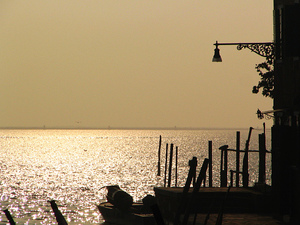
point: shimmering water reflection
(72, 166)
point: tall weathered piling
(210, 182)
(170, 165)
(262, 159)
(237, 167)
(158, 163)
(224, 165)
(176, 166)
(245, 160)
(166, 165)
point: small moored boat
(120, 208)
(133, 216)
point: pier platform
(238, 219)
(242, 204)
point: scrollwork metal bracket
(266, 50)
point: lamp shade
(217, 56)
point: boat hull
(133, 216)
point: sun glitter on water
(71, 166)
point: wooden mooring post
(193, 164)
(170, 165)
(176, 166)
(166, 165)
(237, 167)
(245, 160)
(158, 163)
(210, 180)
(224, 165)
(262, 159)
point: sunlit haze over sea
(73, 166)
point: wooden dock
(238, 219)
(234, 201)
(240, 202)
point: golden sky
(130, 63)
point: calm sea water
(72, 166)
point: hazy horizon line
(125, 128)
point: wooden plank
(9, 217)
(59, 217)
(183, 201)
(200, 179)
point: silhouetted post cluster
(188, 203)
(245, 174)
(192, 200)
(169, 165)
(223, 164)
(170, 155)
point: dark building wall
(286, 130)
(287, 45)
(287, 83)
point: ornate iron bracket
(266, 50)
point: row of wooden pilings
(170, 163)
(223, 164)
